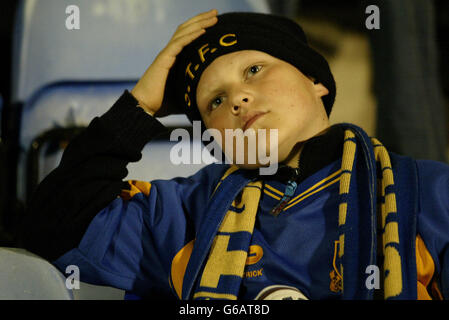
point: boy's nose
(238, 106)
(241, 102)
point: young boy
(341, 219)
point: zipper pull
(288, 194)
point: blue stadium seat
(66, 77)
(63, 78)
(25, 276)
(66, 105)
(117, 40)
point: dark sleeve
(89, 176)
(433, 217)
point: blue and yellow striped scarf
(223, 271)
(387, 212)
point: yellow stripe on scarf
(221, 261)
(390, 238)
(345, 178)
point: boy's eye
(215, 103)
(253, 70)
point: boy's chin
(249, 166)
(254, 166)
(263, 170)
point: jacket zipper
(290, 189)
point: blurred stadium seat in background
(63, 78)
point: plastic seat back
(25, 276)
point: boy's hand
(149, 90)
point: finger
(176, 46)
(202, 24)
(206, 20)
(199, 17)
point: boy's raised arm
(88, 178)
(92, 169)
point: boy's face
(252, 89)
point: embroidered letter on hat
(227, 44)
(187, 99)
(201, 52)
(188, 71)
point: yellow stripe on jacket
(135, 188)
(425, 269)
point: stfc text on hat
(275, 35)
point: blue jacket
(157, 236)
(152, 238)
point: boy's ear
(320, 89)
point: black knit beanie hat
(275, 35)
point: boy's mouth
(251, 119)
